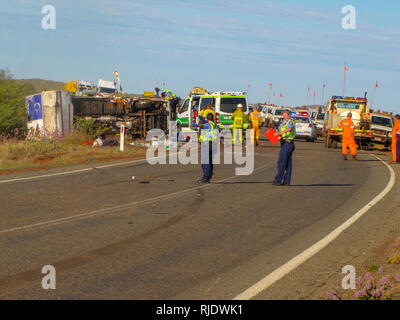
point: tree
(12, 103)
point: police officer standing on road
(287, 131)
(208, 140)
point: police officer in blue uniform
(208, 139)
(287, 131)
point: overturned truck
(139, 114)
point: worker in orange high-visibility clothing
(348, 137)
(255, 119)
(396, 140)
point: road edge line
(292, 264)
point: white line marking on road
(292, 264)
(120, 207)
(71, 172)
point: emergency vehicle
(224, 103)
(338, 108)
(188, 113)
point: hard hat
(240, 105)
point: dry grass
(25, 155)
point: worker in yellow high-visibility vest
(255, 119)
(239, 118)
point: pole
(373, 97)
(308, 95)
(269, 94)
(323, 94)
(122, 138)
(344, 82)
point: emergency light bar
(228, 93)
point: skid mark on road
(103, 211)
(64, 265)
(292, 264)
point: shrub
(12, 104)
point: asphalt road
(111, 237)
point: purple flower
(367, 276)
(369, 284)
(385, 280)
(364, 292)
(332, 295)
(397, 277)
(360, 280)
(358, 294)
(380, 270)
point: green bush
(90, 128)
(12, 104)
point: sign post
(122, 138)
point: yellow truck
(337, 109)
(81, 88)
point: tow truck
(338, 108)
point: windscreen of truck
(380, 121)
(229, 105)
(206, 101)
(348, 105)
(278, 112)
(321, 116)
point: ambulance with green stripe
(224, 104)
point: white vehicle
(320, 123)
(266, 113)
(382, 126)
(277, 117)
(188, 113)
(305, 129)
(106, 88)
(224, 104)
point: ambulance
(224, 103)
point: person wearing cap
(172, 103)
(239, 118)
(287, 132)
(209, 147)
(348, 137)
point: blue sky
(220, 45)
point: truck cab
(81, 88)
(338, 108)
(106, 88)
